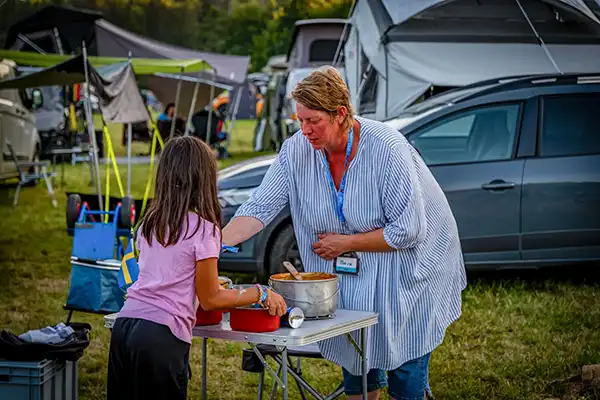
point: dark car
(518, 159)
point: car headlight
(234, 197)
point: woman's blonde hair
(325, 90)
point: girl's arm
(213, 297)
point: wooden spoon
(288, 265)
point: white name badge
(346, 264)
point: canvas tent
(396, 51)
(62, 29)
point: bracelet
(263, 293)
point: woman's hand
(331, 245)
(275, 304)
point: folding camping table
(312, 331)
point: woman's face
(317, 126)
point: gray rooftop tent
(397, 50)
(62, 29)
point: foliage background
(259, 28)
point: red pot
(253, 320)
(208, 317)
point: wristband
(264, 293)
(225, 248)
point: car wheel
(73, 208)
(284, 248)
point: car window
(479, 134)
(570, 125)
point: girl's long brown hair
(186, 181)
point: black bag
(71, 349)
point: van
(17, 124)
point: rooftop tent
(315, 42)
(396, 51)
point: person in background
(365, 206)
(179, 241)
(167, 114)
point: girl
(179, 244)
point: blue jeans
(410, 381)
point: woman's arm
(267, 200)
(403, 206)
(240, 229)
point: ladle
(288, 265)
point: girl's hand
(275, 304)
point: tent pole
(338, 50)
(176, 105)
(129, 140)
(238, 97)
(210, 106)
(539, 38)
(188, 124)
(90, 125)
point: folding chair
(25, 177)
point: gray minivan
(518, 159)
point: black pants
(146, 361)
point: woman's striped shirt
(416, 289)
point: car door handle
(498, 184)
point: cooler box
(38, 380)
(94, 286)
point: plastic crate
(38, 380)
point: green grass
(516, 339)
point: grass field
(518, 338)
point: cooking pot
(253, 319)
(215, 317)
(316, 294)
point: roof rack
(555, 78)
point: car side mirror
(37, 98)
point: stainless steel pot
(316, 294)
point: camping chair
(26, 177)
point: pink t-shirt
(165, 292)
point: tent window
(369, 93)
(322, 50)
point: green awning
(141, 66)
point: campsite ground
(518, 338)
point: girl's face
(319, 127)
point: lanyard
(339, 195)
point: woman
(382, 224)
(179, 242)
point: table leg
(363, 345)
(284, 372)
(62, 171)
(204, 357)
(54, 169)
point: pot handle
(312, 303)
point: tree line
(259, 28)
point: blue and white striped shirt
(416, 289)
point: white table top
(310, 332)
